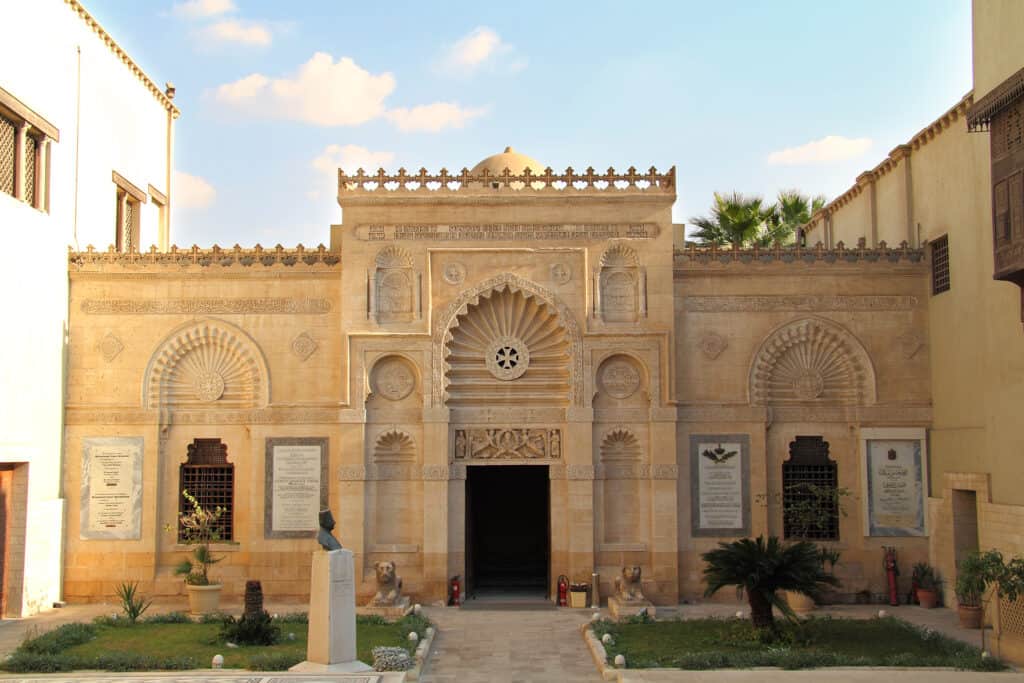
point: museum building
(504, 374)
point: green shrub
(59, 639)
(250, 629)
(292, 618)
(168, 618)
(213, 618)
(33, 662)
(371, 620)
(273, 661)
(132, 604)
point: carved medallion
(393, 379)
(808, 384)
(110, 346)
(620, 379)
(910, 343)
(713, 344)
(209, 386)
(508, 443)
(507, 358)
(561, 273)
(454, 273)
(304, 346)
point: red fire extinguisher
(563, 590)
(454, 598)
(891, 572)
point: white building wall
(54, 62)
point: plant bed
(178, 643)
(816, 642)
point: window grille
(940, 265)
(127, 237)
(31, 146)
(810, 507)
(210, 478)
(8, 136)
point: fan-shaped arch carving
(812, 360)
(620, 444)
(507, 308)
(394, 444)
(205, 364)
(619, 255)
(393, 257)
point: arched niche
(394, 286)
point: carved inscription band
(198, 306)
(506, 443)
(729, 304)
(507, 232)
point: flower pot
(928, 597)
(799, 603)
(970, 616)
(203, 599)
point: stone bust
(324, 537)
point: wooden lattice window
(810, 505)
(8, 140)
(940, 265)
(31, 169)
(130, 199)
(209, 477)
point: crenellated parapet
(257, 256)
(699, 255)
(571, 182)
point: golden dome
(515, 162)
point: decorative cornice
(445, 184)
(695, 256)
(123, 56)
(995, 100)
(215, 256)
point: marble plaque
(720, 482)
(296, 486)
(111, 488)
(895, 486)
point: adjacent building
(85, 158)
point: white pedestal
(332, 615)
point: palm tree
(792, 210)
(763, 567)
(735, 219)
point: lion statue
(389, 585)
(627, 586)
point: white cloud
(197, 9)
(234, 31)
(323, 92)
(350, 158)
(191, 191)
(432, 117)
(829, 148)
(481, 47)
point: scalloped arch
(619, 255)
(205, 364)
(394, 444)
(620, 443)
(812, 360)
(393, 257)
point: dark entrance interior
(507, 530)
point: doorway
(508, 531)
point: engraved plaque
(296, 486)
(111, 488)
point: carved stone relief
(304, 346)
(713, 344)
(620, 444)
(393, 285)
(199, 306)
(561, 273)
(774, 303)
(393, 445)
(110, 346)
(507, 358)
(454, 273)
(910, 343)
(393, 377)
(507, 443)
(619, 284)
(619, 377)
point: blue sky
(275, 94)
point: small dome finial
(509, 150)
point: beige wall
(998, 50)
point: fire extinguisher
(455, 592)
(891, 572)
(563, 590)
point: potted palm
(970, 587)
(927, 585)
(199, 528)
(763, 567)
(810, 509)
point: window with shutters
(127, 214)
(210, 478)
(810, 491)
(24, 152)
(940, 265)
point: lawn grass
(817, 642)
(151, 646)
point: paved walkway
(509, 646)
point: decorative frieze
(775, 303)
(204, 306)
(508, 443)
(176, 257)
(664, 471)
(696, 256)
(506, 232)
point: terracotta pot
(203, 599)
(799, 603)
(927, 597)
(970, 616)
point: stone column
(664, 540)
(578, 449)
(437, 516)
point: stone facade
(490, 319)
